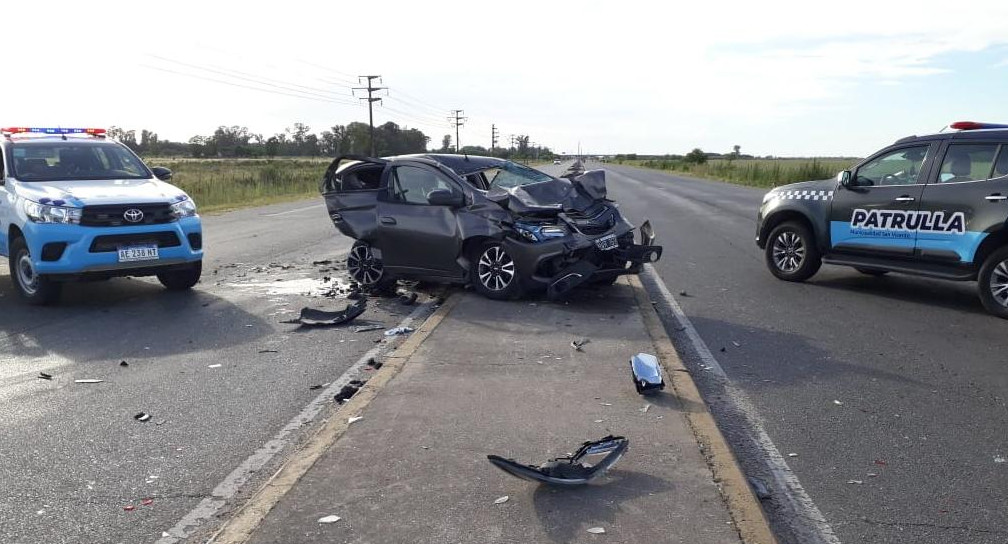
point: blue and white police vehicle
(75, 205)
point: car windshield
(514, 175)
(70, 161)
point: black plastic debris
(345, 393)
(142, 416)
(356, 295)
(366, 328)
(322, 262)
(646, 373)
(320, 318)
(684, 294)
(578, 344)
(44, 376)
(760, 488)
(358, 383)
(123, 363)
(408, 299)
(268, 351)
(374, 364)
(569, 470)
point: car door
(967, 199)
(414, 236)
(869, 214)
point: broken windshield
(514, 175)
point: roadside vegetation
(223, 184)
(751, 172)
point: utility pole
(457, 120)
(493, 137)
(371, 100)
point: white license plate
(606, 243)
(146, 252)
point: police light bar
(41, 130)
(973, 125)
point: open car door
(350, 188)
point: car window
(900, 167)
(967, 162)
(1001, 164)
(411, 184)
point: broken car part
(44, 376)
(396, 331)
(646, 373)
(142, 416)
(345, 393)
(569, 470)
(316, 318)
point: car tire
(992, 283)
(791, 252)
(181, 279)
(494, 273)
(33, 288)
(871, 271)
(368, 271)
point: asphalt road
(890, 391)
(72, 457)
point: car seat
(960, 167)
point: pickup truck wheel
(181, 279)
(495, 274)
(992, 283)
(791, 253)
(871, 271)
(367, 270)
(34, 288)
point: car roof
(976, 134)
(460, 164)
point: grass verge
(751, 172)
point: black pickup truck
(504, 227)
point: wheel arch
(782, 216)
(991, 243)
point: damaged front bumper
(563, 264)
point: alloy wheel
(495, 268)
(999, 283)
(788, 251)
(363, 267)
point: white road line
(312, 207)
(786, 482)
(229, 487)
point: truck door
(869, 215)
(965, 201)
(415, 236)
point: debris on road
(353, 419)
(855, 482)
(216, 365)
(880, 462)
(1000, 459)
(578, 344)
(502, 500)
(568, 470)
(646, 373)
(147, 502)
(329, 519)
(374, 364)
(684, 294)
(760, 488)
(44, 376)
(317, 386)
(736, 344)
(345, 393)
(88, 380)
(129, 508)
(395, 331)
(837, 402)
(597, 530)
(645, 408)
(142, 416)
(268, 351)
(792, 455)
(123, 363)
(408, 299)
(314, 318)
(366, 328)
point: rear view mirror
(445, 197)
(161, 173)
(844, 178)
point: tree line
(351, 139)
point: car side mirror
(844, 178)
(161, 173)
(445, 197)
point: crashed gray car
(504, 227)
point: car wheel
(181, 279)
(495, 274)
(34, 288)
(367, 270)
(871, 271)
(992, 283)
(791, 253)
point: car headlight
(183, 208)
(51, 211)
(538, 233)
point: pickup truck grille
(111, 242)
(113, 215)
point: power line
(371, 100)
(457, 121)
(233, 84)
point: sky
(776, 78)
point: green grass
(751, 172)
(224, 184)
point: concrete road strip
(230, 486)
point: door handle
(388, 220)
(904, 198)
(996, 197)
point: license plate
(146, 252)
(606, 243)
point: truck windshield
(70, 161)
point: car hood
(106, 191)
(549, 198)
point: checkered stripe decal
(804, 195)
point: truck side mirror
(844, 178)
(161, 173)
